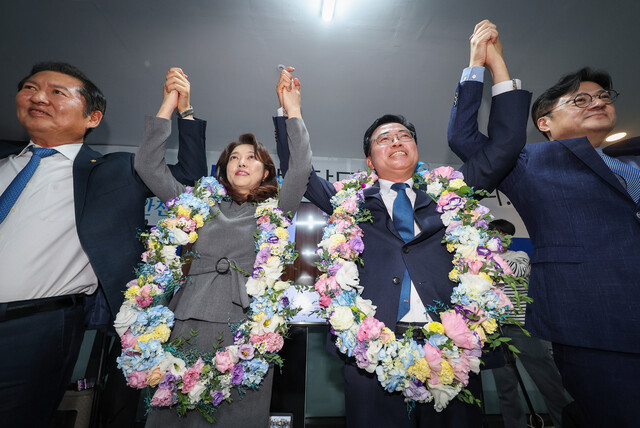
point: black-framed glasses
(584, 100)
(387, 138)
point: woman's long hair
(268, 188)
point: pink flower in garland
(457, 329)
(461, 367)
(137, 380)
(223, 361)
(191, 376)
(369, 329)
(449, 202)
(162, 398)
(128, 340)
(433, 356)
(324, 301)
(443, 171)
(273, 341)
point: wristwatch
(185, 113)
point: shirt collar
(70, 151)
(385, 185)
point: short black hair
(387, 118)
(93, 97)
(503, 226)
(566, 85)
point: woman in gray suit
(216, 295)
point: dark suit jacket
(386, 254)
(109, 202)
(585, 231)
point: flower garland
(188, 379)
(439, 370)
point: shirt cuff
(474, 74)
(506, 86)
(280, 111)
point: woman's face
(244, 171)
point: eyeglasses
(386, 138)
(584, 100)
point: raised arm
(150, 160)
(295, 182)
(488, 158)
(287, 131)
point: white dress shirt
(40, 251)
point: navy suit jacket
(426, 258)
(109, 202)
(585, 231)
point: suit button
(396, 280)
(405, 250)
(638, 214)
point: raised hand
(284, 82)
(176, 93)
(291, 98)
(486, 50)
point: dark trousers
(37, 358)
(603, 383)
(369, 405)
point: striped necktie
(630, 175)
(15, 188)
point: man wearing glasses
(406, 265)
(579, 202)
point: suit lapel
(587, 154)
(84, 163)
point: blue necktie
(403, 221)
(11, 193)
(630, 174)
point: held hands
(288, 90)
(486, 50)
(176, 93)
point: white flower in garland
(191, 380)
(439, 370)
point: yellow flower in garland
(490, 325)
(199, 220)
(193, 236)
(435, 327)
(485, 276)
(453, 275)
(457, 183)
(132, 292)
(450, 248)
(387, 336)
(184, 211)
(336, 239)
(420, 370)
(161, 333)
(446, 374)
(282, 233)
(153, 244)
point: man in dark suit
(68, 234)
(580, 205)
(390, 147)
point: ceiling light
(615, 137)
(328, 6)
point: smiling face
(244, 171)
(396, 161)
(51, 109)
(595, 121)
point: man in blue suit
(390, 148)
(68, 234)
(580, 205)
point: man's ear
(543, 124)
(370, 163)
(94, 119)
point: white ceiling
(375, 57)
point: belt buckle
(223, 265)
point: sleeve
(192, 155)
(150, 163)
(319, 191)
(295, 181)
(488, 158)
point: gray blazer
(210, 296)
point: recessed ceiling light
(615, 137)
